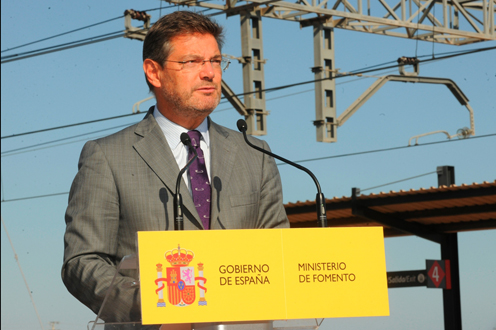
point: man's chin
(199, 111)
(206, 107)
(205, 111)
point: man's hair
(157, 46)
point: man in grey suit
(126, 181)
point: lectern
(131, 262)
(245, 279)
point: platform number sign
(438, 274)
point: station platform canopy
(422, 212)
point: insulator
(138, 15)
(408, 60)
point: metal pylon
(325, 96)
(253, 72)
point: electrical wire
(363, 71)
(68, 45)
(55, 145)
(43, 51)
(14, 151)
(79, 43)
(62, 34)
(60, 45)
(63, 139)
(85, 27)
(267, 100)
(33, 197)
(298, 161)
(72, 125)
(386, 149)
(51, 49)
(353, 73)
(402, 180)
(467, 52)
(18, 151)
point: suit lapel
(222, 157)
(155, 151)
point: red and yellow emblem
(180, 279)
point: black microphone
(178, 200)
(319, 200)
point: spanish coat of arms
(180, 279)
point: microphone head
(185, 139)
(242, 127)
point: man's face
(190, 93)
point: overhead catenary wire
(72, 125)
(73, 44)
(18, 151)
(398, 181)
(84, 27)
(34, 197)
(363, 71)
(14, 151)
(63, 139)
(59, 47)
(51, 49)
(387, 149)
(353, 73)
(79, 43)
(298, 161)
(69, 45)
(292, 94)
(53, 146)
(62, 34)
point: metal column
(325, 96)
(253, 72)
(451, 298)
(452, 304)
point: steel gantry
(455, 22)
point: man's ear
(152, 71)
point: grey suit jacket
(126, 183)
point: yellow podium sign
(273, 274)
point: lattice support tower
(253, 72)
(325, 96)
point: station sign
(409, 278)
(438, 274)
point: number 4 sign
(438, 274)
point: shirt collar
(172, 131)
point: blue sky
(105, 79)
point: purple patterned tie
(200, 185)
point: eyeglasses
(217, 63)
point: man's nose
(207, 71)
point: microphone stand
(178, 200)
(319, 199)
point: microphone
(319, 199)
(178, 200)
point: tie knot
(195, 138)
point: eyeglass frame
(223, 59)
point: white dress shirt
(173, 131)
